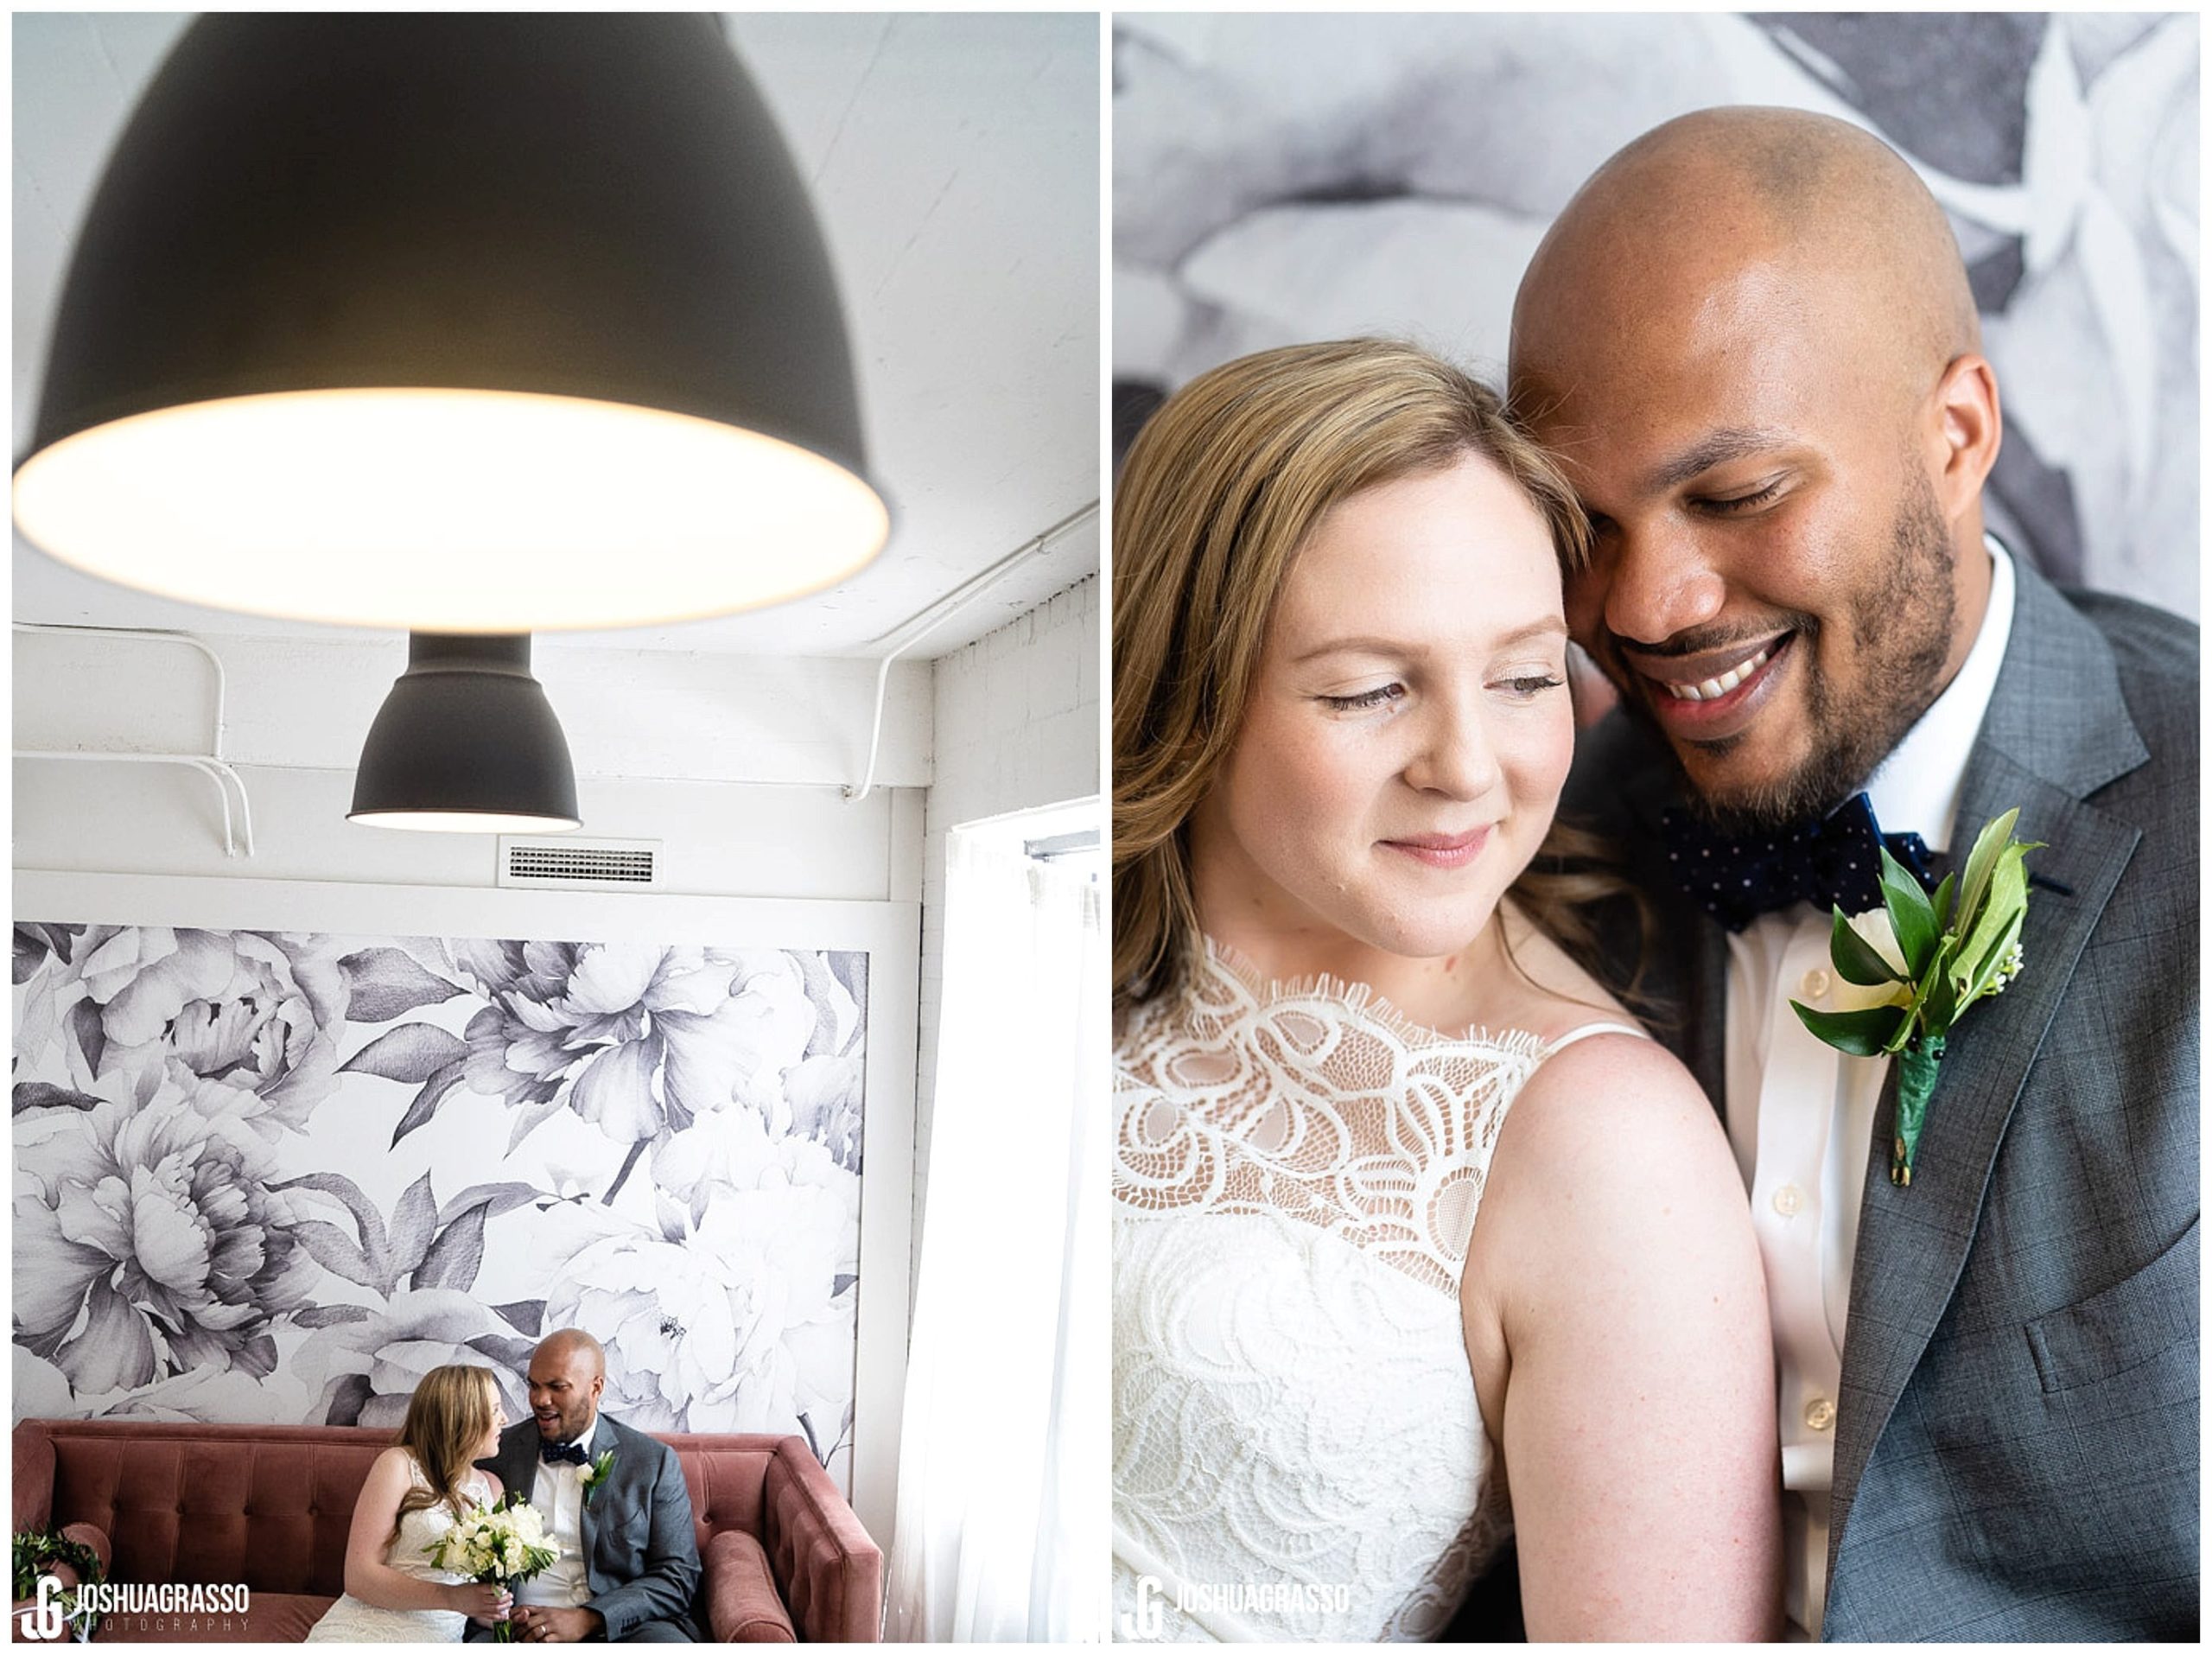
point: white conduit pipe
(214, 769)
(157, 634)
(210, 764)
(921, 625)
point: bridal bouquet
(496, 1544)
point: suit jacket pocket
(628, 1540)
(2122, 1328)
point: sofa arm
(34, 1476)
(85, 1534)
(738, 1593)
(827, 1569)
(91, 1534)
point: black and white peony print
(1316, 176)
(274, 1177)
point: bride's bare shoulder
(1610, 1166)
(1612, 1120)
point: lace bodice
(350, 1621)
(1298, 1449)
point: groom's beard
(1901, 628)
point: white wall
(1017, 725)
(734, 763)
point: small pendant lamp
(467, 743)
(469, 324)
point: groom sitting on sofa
(629, 1561)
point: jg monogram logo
(1142, 1623)
(43, 1621)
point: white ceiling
(954, 162)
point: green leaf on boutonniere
(1912, 915)
(1981, 863)
(1989, 972)
(1856, 959)
(1935, 1002)
(1942, 902)
(1997, 926)
(1958, 948)
(1861, 1033)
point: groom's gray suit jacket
(641, 1552)
(2015, 1444)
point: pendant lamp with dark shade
(465, 741)
(453, 323)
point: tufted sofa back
(268, 1506)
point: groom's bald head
(570, 1345)
(1750, 342)
(1852, 239)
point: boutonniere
(1926, 959)
(597, 1472)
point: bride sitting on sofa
(415, 1490)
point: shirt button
(1787, 1199)
(1820, 1413)
(1816, 983)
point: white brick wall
(1016, 726)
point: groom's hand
(536, 1624)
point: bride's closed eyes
(1531, 685)
(1366, 700)
(1521, 686)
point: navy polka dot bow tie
(1834, 859)
(559, 1453)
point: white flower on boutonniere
(1912, 966)
(597, 1472)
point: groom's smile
(1710, 696)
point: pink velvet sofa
(268, 1506)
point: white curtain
(1002, 1470)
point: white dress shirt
(558, 1493)
(1801, 1114)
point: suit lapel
(2056, 730)
(602, 1438)
(515, 1465)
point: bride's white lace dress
(1298, 1452)
(349, 1621)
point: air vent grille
(601, 864)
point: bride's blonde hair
(1220, 489)
(447, 1418)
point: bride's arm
(375, 1582)
(1616, 1299)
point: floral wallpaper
(274, 1177)
(1310, 177)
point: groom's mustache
(1702, 641)
(1637, 667)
